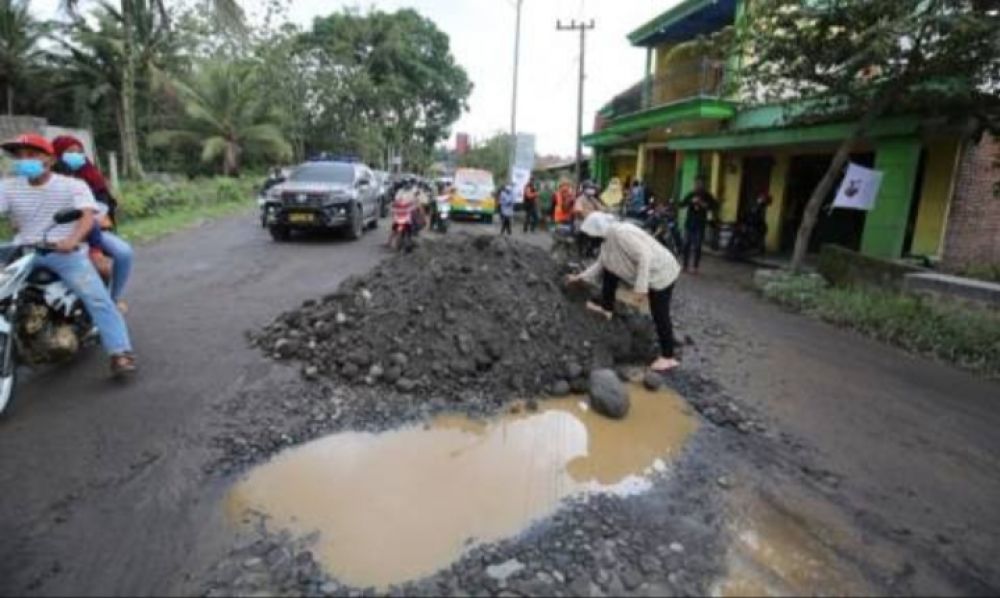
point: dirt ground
(825, 463)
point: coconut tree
(225, 116)
(19, 49)
(227, 12)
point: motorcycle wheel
(8, 367)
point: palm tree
(226, 117)
(227, 12)
(19, 51)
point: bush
(145, 199)
(964, 336)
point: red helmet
(31, 140)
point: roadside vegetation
(149, 210)
(221, 86)
(964, 336)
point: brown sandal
(123, 364)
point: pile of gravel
(461, 317)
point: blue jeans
(695, 237)
(77, 273)
(121, 253)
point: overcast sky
(482, 40)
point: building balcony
(688, 91)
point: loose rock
(608, 395)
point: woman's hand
(572, 279)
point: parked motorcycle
(747, 241)
(41, 320)
(661, 223)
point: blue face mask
(31, 168)
(74, 160)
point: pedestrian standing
(530, 206)
(506, 209)
(699, 204)
(545, 197)
(630, 254)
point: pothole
(773, 553)
(398, 506)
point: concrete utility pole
(583, 28)
(513, 102)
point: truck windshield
(327, 172)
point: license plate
(301, 218)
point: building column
(940, 173)
(690, 165)
(732, 166)
(885, 225)
(777, 188)
(640, 163)
(647, 78)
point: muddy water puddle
(774, 552)
(400, 505)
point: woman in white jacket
(630, 254)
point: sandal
(123, 364)
(667, 364)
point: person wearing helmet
(30, 199)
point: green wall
(690, 165)
(885, 226)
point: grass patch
(960, 335)
(149, 229)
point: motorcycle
(439, 222)
(747, 241)
(41, 320)
(661, 223)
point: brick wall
(973, 234)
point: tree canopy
(363, 83)
(859, 59)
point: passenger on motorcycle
(30, 200)
(72, 161)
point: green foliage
(20, 53)
(226, 117)
(931, 57)
(964, 336)
(146, 199)
(493, 154)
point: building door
(839, 227)
(664, 171)
(756, 179)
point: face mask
(31, 168)
(74, 160)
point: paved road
(913, 444)
(96, 478)
(99, 484)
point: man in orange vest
(564, 201)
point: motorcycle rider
(30, 200)
(72, 161)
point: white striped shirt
(30, 208)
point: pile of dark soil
(463, 317)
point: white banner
(859, 188)
(524, 161)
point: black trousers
(692, 244)
(659, 307)
(530, 217)
(505, 225)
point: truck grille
(292, 199)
